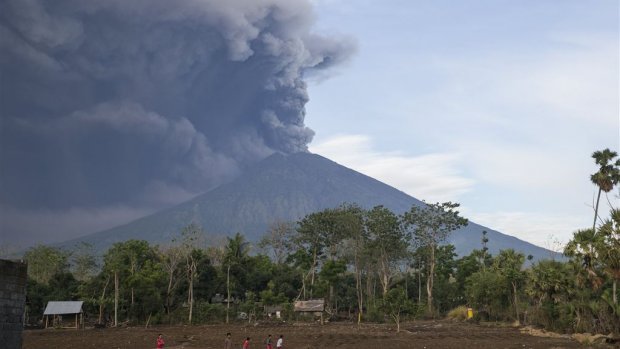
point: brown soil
(419, 334)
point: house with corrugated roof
(61, 312)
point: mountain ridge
(287, 187)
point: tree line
(369, 265)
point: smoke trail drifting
(146, 102)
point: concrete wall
(13, 279)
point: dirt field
(421, 334)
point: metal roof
(313, 305)
(59, 308)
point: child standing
(246, 343)
(227, 342)
(280, 342)
(160, 341)
(268, 342)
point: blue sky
(497, 105)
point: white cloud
(542, 229)
(580, 83)
(529, 167)
(432, 177)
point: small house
(273, 310)
(312, 306)
(59, 311)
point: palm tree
(583, 247)
(236, 251)
(609, 247)
(509, 263)
(606, 177)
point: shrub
(208, 313)
(374, 314)
(459, 313)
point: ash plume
(145, 103)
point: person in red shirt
(246, 343)
(160, 341)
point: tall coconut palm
(583, 246)
(609, 247)
(236, 251)
(607, 176)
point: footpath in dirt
(419, 334)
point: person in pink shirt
(246, 343)
(160, 341)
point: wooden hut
(310, 306)
(58, 310)
(314, 306)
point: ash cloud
(145, 103)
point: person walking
(227, 342)
(160, 341)
(280, 342)
(246, 343)
(268, 342)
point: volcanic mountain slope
(286, 188)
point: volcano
(286, 188)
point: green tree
(607, 176)
(44, 262)
(387, 241)
(191, 237)
(278, 239)
(583, 246)
(286, 280)
(310, 242)
(509, 264)
(132, 265)
(94, 293)
(431, 225)
(485, 249)
(356, 249)
(84, 261)
(447, 294)
(114, 263)
(236, 252)
(599, 252)
(394, 303)
(608, 245)
(271, 296)
(171, 257)
(486, 290)
(476, 261)
(549, 286)
(209, 281)
(256, 273)
(332, 272)
(138, 255)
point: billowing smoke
(144, 103)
